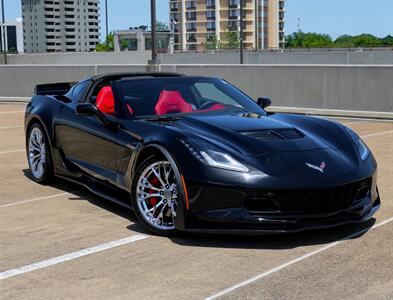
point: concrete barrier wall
(142, 57)
(362, 88)
(80, 58)
(19, 81)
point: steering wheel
(208, 104)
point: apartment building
(60, 25)
(199, 23)
(13, 41)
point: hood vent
(274, 134)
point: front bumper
(239, 221)
(237, 218)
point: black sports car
(197, 154)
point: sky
(334, 17)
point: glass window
(210, 25)
(210, 92)
(181, 95)
(78, 91)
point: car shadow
(280, 241)
(80, 193)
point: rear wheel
(156, 196)
(38, 155)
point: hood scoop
(274, 134)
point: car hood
(254, 134)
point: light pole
(3, 29)
(153, 32)
(106, 24)
(241, 31)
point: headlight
(363, 150)
(214, 157)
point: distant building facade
(140, 40)
(13, 37)
(197, 23)
(60, 25)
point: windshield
(148, 97)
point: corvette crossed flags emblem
(319, 168)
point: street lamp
(106, 24)
(153, 32)
(3, 29)
(241, 32)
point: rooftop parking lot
(61, 242)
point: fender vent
(274, 134)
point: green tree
(229, 40)
(212, 42)
(344, 41)
(312, 40)
(162, 26)
(387, 41)
(108, 45)
(123, 45)
(308, 40)
(140, 27)
(366, 40)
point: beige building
(201, 24)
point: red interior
(168, 102)
(217, 106)
(171, 102)
(105, 101)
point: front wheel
(156, 195)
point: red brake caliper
(153, 200)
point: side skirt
(102, 190)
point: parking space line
(12, 112)
(12, 151)
(375, 134)
(70, 256)
(10, 127)
(33, 200)
(356, 122)
(292, 262)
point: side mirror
(264, 102)
(88, 109)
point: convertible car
(196, 154)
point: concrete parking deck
(61, 242)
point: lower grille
(308, 201)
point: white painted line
(12, 112)
(70, 256)
(12, 151)
(375, 134)
(10, 127)
(351, 123)
(33, 200)
(303, 257)
(356, 118)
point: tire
(39, 155)
(156, 213)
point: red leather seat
(171, 102)
(105, 101)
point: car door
(89, 145)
